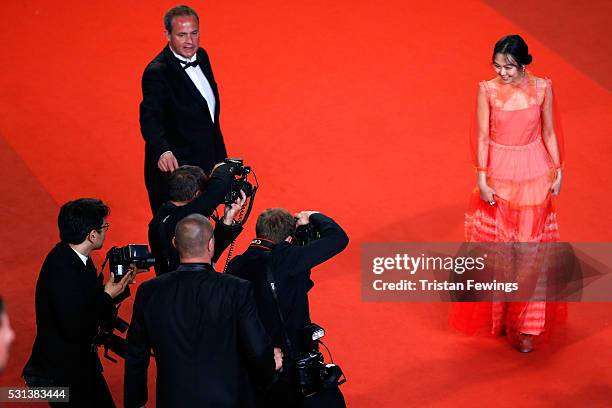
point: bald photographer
(203, 329)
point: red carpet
(358, 109)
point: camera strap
(272, 285)
(162, 236)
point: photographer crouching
(278, 263)
(72, 302)
(192, 192)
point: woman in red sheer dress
(518, 158)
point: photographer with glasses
(71, 303)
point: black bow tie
(186, 64)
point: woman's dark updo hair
(516, 47)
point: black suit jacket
(174, 116)
(205, 334)
(163, 224)
(291, 266)
(70, 302)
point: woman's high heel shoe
(525, 343)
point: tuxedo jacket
(204, 331)
(175, 116)
(70, 303)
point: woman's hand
(555, 189)
(487, 193)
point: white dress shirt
(199, 80)
(83, 257)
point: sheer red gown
(518, 145)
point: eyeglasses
(104, 227)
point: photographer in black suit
(192, 192)
(290, 266)
(203, 329)
(71, 302)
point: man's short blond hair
(275, 224)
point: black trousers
(93, 395)
(285, 395)
(157, 188)
(332, 398)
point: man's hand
(113, 288)
(167, 162)
(303, 217)
(233, 209)
(136, 272)
(278, 358)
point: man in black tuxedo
(203, 329)
(179, 112)
(71, 302)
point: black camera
(120, 259)
(313, 374)
(107, 338)
(240, 173)
(304, 234)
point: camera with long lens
(240, 174)
(107, 338)
(313, 375)
(120, 259)
(305, 234)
